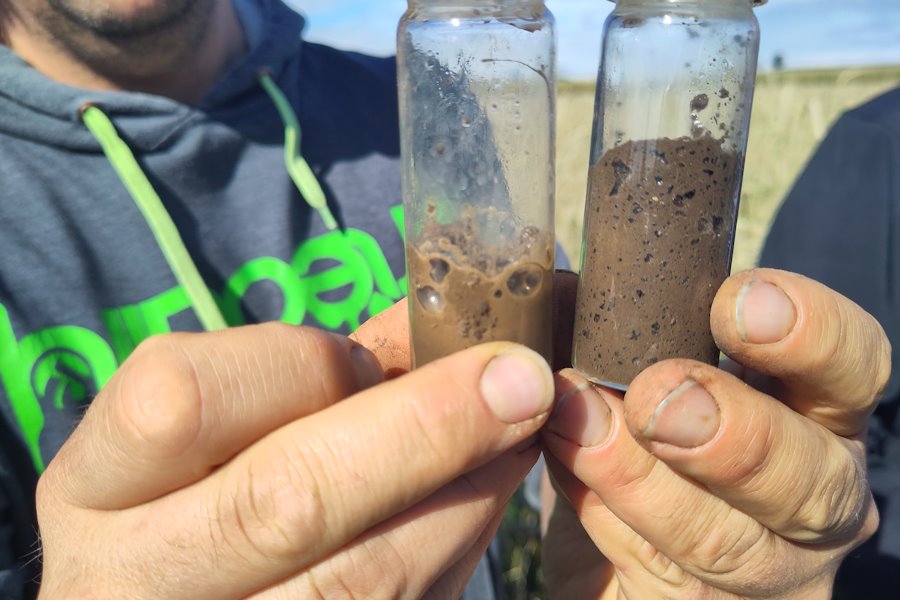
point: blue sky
(807, 33)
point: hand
(265, 461)
(697, 485)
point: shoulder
(881, 112)
(343, 65)
(348, 98)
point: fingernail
(366, 367)
(517, 385)
(764, 313)
(688, 417)
(581, 416)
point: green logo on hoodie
(51, 375)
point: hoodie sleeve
(838, 225)
(18, 533)
(11, 584)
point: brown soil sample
(466, 291)
(659, 229)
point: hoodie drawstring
(160, 222)
(147, 200)
(297, 167)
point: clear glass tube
(674, 95)
(477, 85)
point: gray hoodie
(83, 281)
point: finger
(684, 522)
(784, 470)
(565, 287)
(629, 566)
(183, 404)
(455, 524)
(616, 541)
(387, 336)
(832, 358)
(453, 582)
(573, 564)
(314, 485)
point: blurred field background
(792, 111)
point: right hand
(697, 485)
(261, 461)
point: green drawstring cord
(167, 237)
(297, 167)
(164, 230)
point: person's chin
(123, 18)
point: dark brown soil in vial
(659, 230)
(465, 288)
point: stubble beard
(152, 44)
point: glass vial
(477, 85)
(674, 95)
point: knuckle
(871, 522)
(160, 398)
(372, 570)
(670, 579)
(327, 351)
(309, 586)
(660, 566)
(300, 586)
(326, 586)
(637, 475)
(882, 363)
(741, 558)
(865, 355)
(312, 343)
(837, 509)
(726, 551)
(268, 515)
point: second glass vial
(674, 95)
(477, 92)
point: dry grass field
(792, 111)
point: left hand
(269, 461)
(695, 484)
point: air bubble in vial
(430, 299)
(525, 281)
(439, 270)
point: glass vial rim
(753, 3)
(474, 3)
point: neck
(160, 63)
